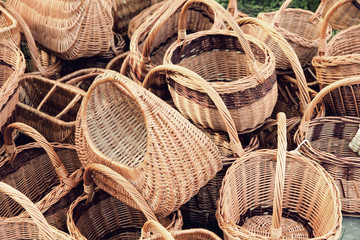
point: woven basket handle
(157, 228)
(10, 149)
(304, 125)
(232, 7)
(290, 54)
(279, 177)
(80, 75)
(319, 11)
(325, 23)
(38, 218)
(230, 20)
(203, 85)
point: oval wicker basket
(300, 28)
(24, 228)
(326, 140)
(346, 16)
(103, 216)
(129, 129)
(272, 194)
(9, 27)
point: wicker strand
(157, 228)
(355, 142)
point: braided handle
(190, 76)
(325, 23)
(279, 177)
(155, 227)
(304, 125)
(290, 54)
(35, 214)
(230, 20)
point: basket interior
(308, 199)
(116, 124)
(345, 42)
(5, 71)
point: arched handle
(232, 7)
(290, 54)
(304, 125)
(325, 23)
(80, 75)
(280, 12)
(157, 228)
(192, 77)
(231, 22)
(319, 11)
(279, 177)
(10, 149)
(38, 218)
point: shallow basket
(269, 193)
(346, 16)
(300, 28)
(326, 140)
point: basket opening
(116, 125)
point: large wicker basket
(129, 129)
(97, 214)
(346, 16)
(278, 195)
(326, 140)
(9, 27)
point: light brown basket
(278, 195)
(24, 228)
(104, 216)
(326, 140)
(44, 172)
(70, 29)
(129, 129)
(346, 16)
(300, 28)
(162, 234)
(9, 27)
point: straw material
(300, 28)
(270, 193)
(103, 216)
(70, 29)
(49, 106)
(42, 171)
(327, 141)
(129, 129)
(346, 16)
(24, 228)
(9, 27)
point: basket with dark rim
(129, 129)
(337, 60)
(299, 27)
(32, 228)
(326, 140)
(151, 40)
(103, 213)
(346, 16)
(242, 72)
(49, 106)
(159, 232)
(272, 194)
(45, 172)
(9, 27)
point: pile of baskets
(178, 120)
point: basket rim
(14, 23)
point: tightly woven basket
(326, 140)
(12, 67)
(300, 28)
(44, 172)
(346, 16)
(162, 234)
(9, 27)
(278, 195)
(151, 40)
(97, 214)
(70, 29)
(49, 106)
(129, 129)
(24, 228)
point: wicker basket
(257, 200)
(70, 29)
(12, 66)
(163, 234)
(346, 16)
(103, 216)
(327, 141)
(300, 28)
(116, 63)
(49, 106)
(82, 78)
(129, 129)
(151, 40)
(9, 27)
(25, 228)
(44, 172)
